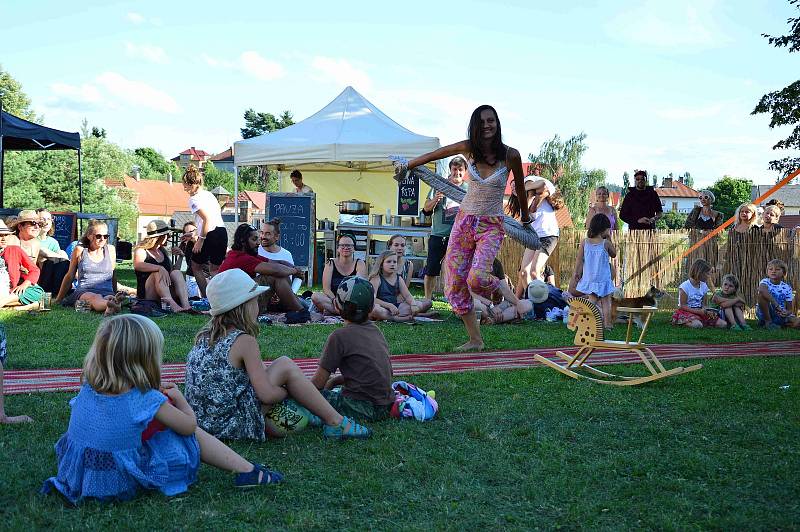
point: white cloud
(137, 93)
(135, 18)
(148, 52)
(676, 24)
(259, 67)
(249, 62)
(341, 72)
(78, 97)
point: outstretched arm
(441, 153)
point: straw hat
(28, 215)
(4, 230)
(230, 289)
(538, 292)
(157, 228)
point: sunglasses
(32, 224)
(346, 246)
(101, 237)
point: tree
(688, 180)
(671, 220)
(730, 192)
(626, 183)
(14, 99)
(153, 165)
(654, 179)
(256, 124)
(99, 133)
(784, 105)
(561, 163)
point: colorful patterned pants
(474, 244)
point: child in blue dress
(129, 431)
(593, 267)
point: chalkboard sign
(298, 225)
(65, 228)
(408, 195)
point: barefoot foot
(471, 346)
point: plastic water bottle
(5, 280)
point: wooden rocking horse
(587, 322)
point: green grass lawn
(518, 449)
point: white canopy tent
(348, 133)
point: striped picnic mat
(67, 379)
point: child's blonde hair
(699, 268)
(779, 264)
(126, 353)
(750, 207)
(219, 326)
(732, 279)
(377, 268)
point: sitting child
(691, 298)
(731, 304)
(112, 448)
(393, 301)
(774, 298)
(226, 383)
(504, 305)
(360, 352)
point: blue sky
(662, 85)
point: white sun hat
(538, 291)
(535, 181)
(230, 289)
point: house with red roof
(676, 196)
(191, 156)
(223, 160)
(155, 199)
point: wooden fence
(657, 258)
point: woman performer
(478, 228)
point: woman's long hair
(90, 230)
(218, 327)
(474, 136)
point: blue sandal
(261, 475)
(347, 429)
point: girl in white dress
(593, 269)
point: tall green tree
(688, 180)
(153, 165)
(784, 105)
(256, 124)
(730, 192)
(14, 100)
(561, 163)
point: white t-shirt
(694, 296)
(284, 255)
(206, 201)
(545, 222)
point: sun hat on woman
(157, 228)
(538, 292)
(4, 230)
(231, 288)
(27, 215)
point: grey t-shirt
(444, 214)
(361, 354)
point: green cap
(356, 290)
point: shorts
(548, 244)
(777, 319)
(356, 408)
(214, 247)
(437, 247)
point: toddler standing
(593, 268)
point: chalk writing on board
(295, 213)
(408, 195)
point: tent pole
(236, 194)
(80, 182)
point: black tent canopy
(19, 134)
